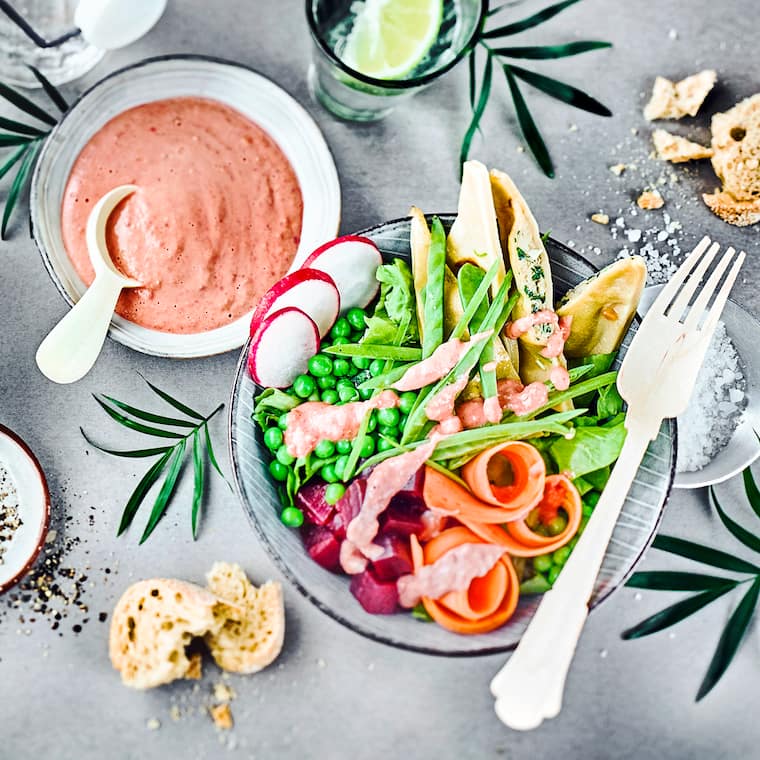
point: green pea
(304, 386)
(573, 541)
(554, 573)
(587, 510)
(325, 449)
(365, 393)
(341, 342)
(362, 362)
(341, 367)
(344, 382)
(284, 456)
(314, 396)
(330, 396)
(340, 465)
(556, 525)
(282, 421)
(542, 563)
(326, 383)
(584, 523)
(388, 432)
(368, 447)
(377, 367)
(341, 328)
(592, 498)
(372, 424)
(321, 365)
(348, 394)
(356, 337)
(406, 402)
(334, 493)
(278, 470)
(383, 445)
(560, 555)
(328, 474)
(273, 438)
(355, 318)
(343, 447)
(292, 517)
(388, 417)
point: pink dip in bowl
(216, 221)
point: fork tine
(689, 287)
(666, 294)
(711, 286)
(708, 328)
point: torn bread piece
(677, 149)
(250, 632)
(650, 199)
(222, 716)
(674, 100)
(738, 213)
(153, 623)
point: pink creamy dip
(512, 395)
(216, 221)
(454, 571)
(314, 421)
(560, 330)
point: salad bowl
(635, 529)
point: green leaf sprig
(479, 93)
(708, 588)
(190, 433)
(27, 137)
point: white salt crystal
(633, 235)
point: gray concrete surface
(333, 694)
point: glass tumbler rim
(394, 84)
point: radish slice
(352, 262)
(309, 290)
(282, 346)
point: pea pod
(433, 292)
(376, 351)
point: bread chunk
(674, 100)
(153, 623)
(736, 149)
(250, 633)
(678, 149)
(650, 199)
(738, 213)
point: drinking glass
(354, 96)
(42, 33)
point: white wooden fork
(656, 379)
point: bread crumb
(223, 692)
(600, 218)
(153, 724)
(738, 213)
(194, 670)
(678, 149)
(650, 199)
(674, 100)
(174, 713)
(222, 716)
(617, 169)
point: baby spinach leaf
(590, 449)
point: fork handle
(529, 687)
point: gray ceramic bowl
(633, 534)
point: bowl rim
(45, 525)
(335, 615)
(35, 192)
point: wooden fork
(656, 379)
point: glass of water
(350, 94)
(42, 33)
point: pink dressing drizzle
(314, 421)
(441, 407)
(385, 481)
(557, 339)
(514, 396)
(492, 410)
(560, 378)
(454, 571)
(352, 560)
(438, 364)
(520, 326)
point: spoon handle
(72, 346)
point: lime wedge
(390, 37)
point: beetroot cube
(376, 596)
(311, 499)
(350, 504)
(396, 558)
(322, 546)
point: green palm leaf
(211, 456)
(546, 52)
(131, 454)
(750, 488)
(167, 489)
(731, 638)
(703, 554)
(527, 23)
(138, 426)
(24, 104)
(23, 129)
(676, 612)
(13, 160)
(664, 580)
(150, 416)
(178, 405)
(528, 126)
(50, 89)
(8, 140)
(18, 183)
(198, 476)
(477, 115)
(140, 492)
(750, 540)
(561, 91)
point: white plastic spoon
(72, 346)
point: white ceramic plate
(34, 508)
(743, 448)
(174, 76)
